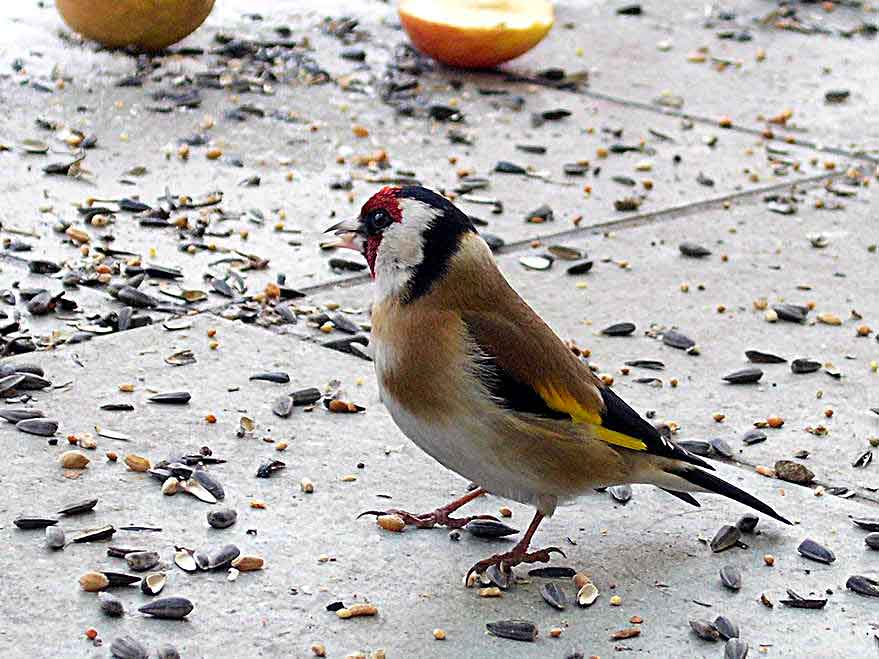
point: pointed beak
(351, 233)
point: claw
(377, 513)
(550, 550)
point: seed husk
(675, 339)
(110, 604)
(744, 376)
(754, 436)
(705, 630)
(92, 582)
(726, 627)
(153, 583)
(38, 426)
(507, 167)
(863, 460)
(867, 523)
(184, 559)
(14, 415)
(486, 528)
(871, 540)
(759, 357)
(278, 377)
(621, 493)
(119, 579)
(283, 406)
(863, 585)
(167, 651)
(731, 577)
(55, 537)
(127, 647)
(495, 576)
(726, 537)
(796, 601)
(735, 648)
(517, 630)
(141, 561)
(812, 550)
(218, 558)
(307, 396)
(792, 313)
(793, 472)
(693, 250)
(619, 329)
(209, 483)
(171, 398)
(801, 366)
(587, 594)
(168, 608)
(552, 572)
(222, 518)
(27, 522)
(579, 268)
(535, 262)
(10, 382)
(196, 489)
(565, 253)
(721, 448)
(93, 535)
(554, 595)
(79, 507)
(650, 364)
(269, 467)
(74, 460)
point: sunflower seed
(744, 376)
(764, 357)
(721, 448)
(54, 537)
(25, 522)
(863, 585)
(278, 377)
(532, 148)
(747, 523)
(812, 550)
(731, 577)
(110, 604)
(754, 436)
(798, 602)
(726, 627)
(218, 558)
(486, 528)
(565, 253)
(183, 558)
(793, 472)
(675, 339)
(141, 561)
(791, 312)
(621, 493)
(727, 536)
(693, 250)
(38, 426)
(579, 268)
(79, 507)
(695, 446)
(553, 594)
(872, 539)
(517, 630)
(836, 95)
(222, 518)
(181, 358)
(14, 415)
(168, 608)
(120, 580)
(619, 329)
(153, 583)
(705, 630)
(171, 398)
(267, 468)
(282, 406)
(134, 297)
(306, 396)
(209, 483)
(507, 167)
(735, 648)
(801, 366)
(863, 460)
(127, 647)
(118, 407)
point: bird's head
(408, 235)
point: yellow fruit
(475, 33)
(146, 24)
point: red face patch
(385, 199)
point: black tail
(683, 496)
(712, 483)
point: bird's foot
(439, 517)
(507, 561)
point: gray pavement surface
(298, 138)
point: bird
(475, 378)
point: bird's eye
(381, 219)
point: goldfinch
(473, 376)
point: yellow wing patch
(562, 401)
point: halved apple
(475, 33)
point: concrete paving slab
(648, 552)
